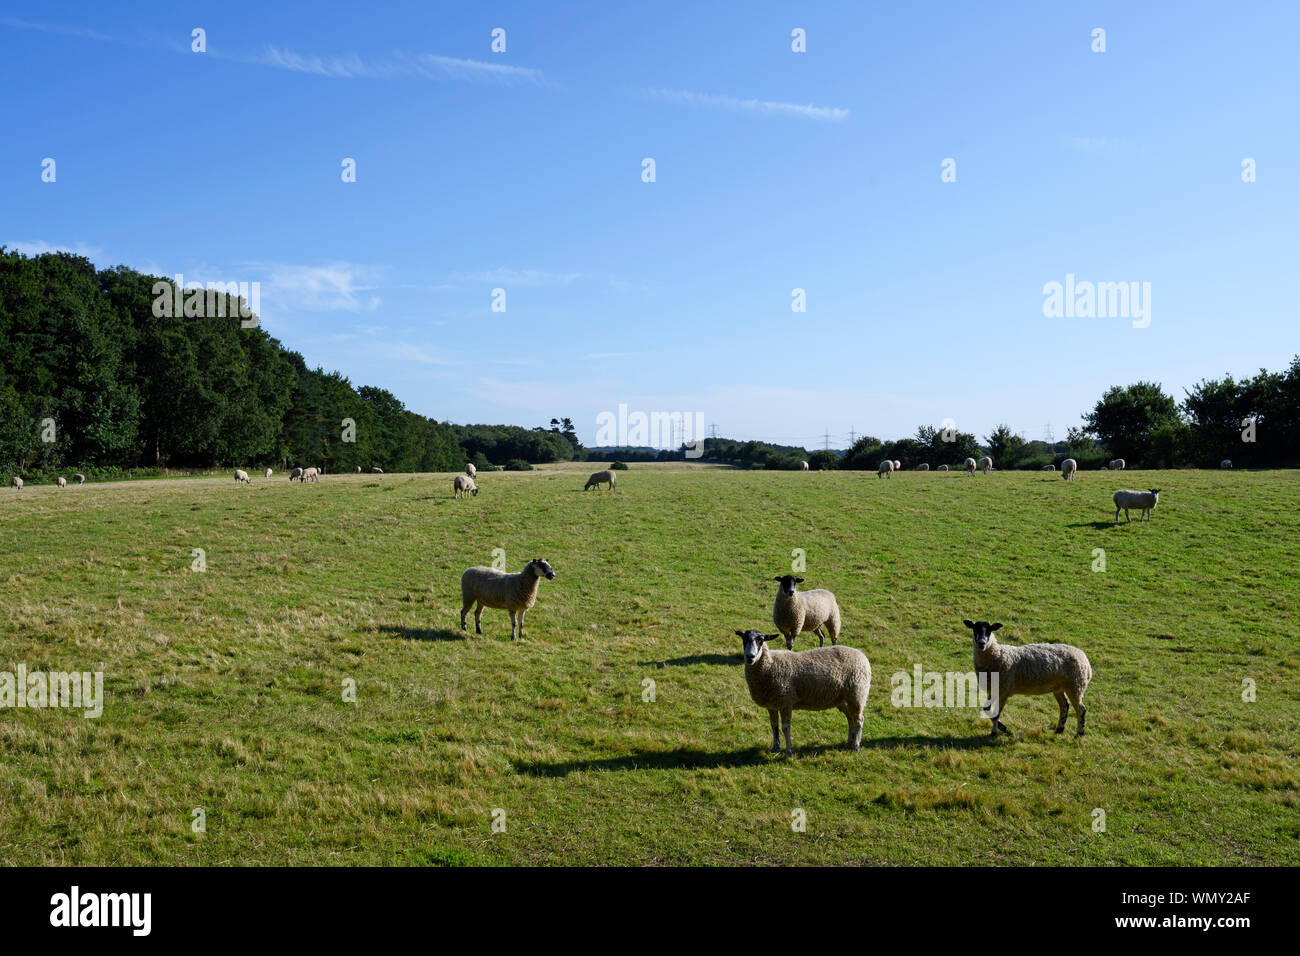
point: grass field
(224, 689)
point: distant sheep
(794, 612)
(886, 469)
(605, 477)
(820, 678)
(269, 472)
(61, 481)
(969, 466)
(471, 470)
(1049, 468)
(295, 474)
(1226, 463)
(311, 474)
(898, 465)
(358, 469)
(1145, 500)
(942, 468)
(803, 466)
(1117, 465)
(16, 482)
(241, 475)
(79, 478)
(1057, 669)
(516, 593)
(985, 464)
(922, 467)
(376, 470)
(463, 485)
(1068, 468)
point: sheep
(1057, 669)
(16, 482)
(898, 465)
(241, 475)
(600, 478)
(886, 469)
(795, 612)
(79, 478)
(1146, 500)
(470, 469)
(269, 472)
(969, 466)
(358, 469)
(1068, 468)
(803, 466)
(1103, 468)
(376, 470)
(820, 678)
(1117, 465)
(310, 474)
(1226, 463)
(516, 593)
(61, 481)
(942, 468)
(296, 473)
(923, 467)
(462, 485)
(985, 464)
(1049, 468)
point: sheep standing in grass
(985, 464)
(898, 465)
(16, 482)
(942, 468)
(1117, 465)
(1226, 463)
(61, 481)
(269, 473)
(463, 485)
(516, 593)
(820, 678)
(376, 470)
(803, 466)
(600, 478)
(1068, 468)
(295, 474)
(310, 474)
(79, 478)
(1049, 468)
(471, 470)
(1057, 669)
(794, 612)
(1146, 500)
(358, 469)
(241, 475)
(886, 469)
(969, 466)
(922, 467)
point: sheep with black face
(1007, 671)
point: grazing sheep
(79, 478)
(471, 470)
(16, 482)
(985, 464)
(61, 481)
(1068, 468)
(803, 466)
(358, 469)
(516, 593)
(1226, 463)
(922, 467)
(462, 485)
(1049, 468)
(942, 468)
(886, 469)
(969, 466)
(600, 478)
(820, 678)
(794, 612)
(898, 465)
(376, 470)
(1146, 500)
(310, 474)
(296, 473)
(269, 472)
(1057, 669)
(1117, 465)
(241, 475)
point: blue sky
(775, 170)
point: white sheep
(1146, 500)
(820, 678)
(923, 467)
(358, 469)
(310, 474)
(803, 466)
(969, 466)
(886, 469)
(241, 475)
(1068, 468)
(985, 464)
(1049, 468)
(1117, 465)
(898, 465)
(942, 468)
(600, 478)
(1057, 669)
(794, 612)
(470, 469)
(79, 478)
(295, 474)
(269, 473)
(61, 481)
(376, 470)
(516, 593)
(16, 482)
(1226, 463)
(463, 485)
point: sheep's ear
(968, 622)
(777, 578)
(740, 633)
(995, 626)
(798, 580)
(770, 637)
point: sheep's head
(474, 491)
(1156, 492)
(755, 643)
(541, 569)
(982, 632)
(788, 581)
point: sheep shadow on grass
(680, 759)
(930, 743)
(1096, 525)
(422, 634)
(695, 659)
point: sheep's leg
(1083, 711)
(785, 726)
(521, 623)
(512, 625)
(478, 616)
(821, 638)
(1117, 510)
(1065, 710)
(855, 730)
(776, 731)
(1077, 700)
(463, 612)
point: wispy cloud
(829, 114)
(425, 65)
(524, 277)
(341, 286)
(39, 247)
(596, 356)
